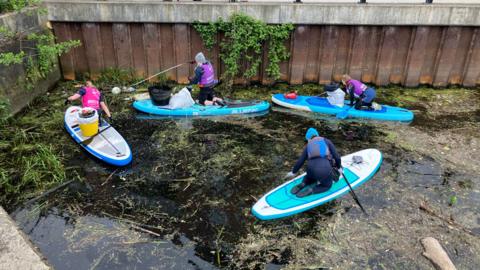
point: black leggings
(319, 187)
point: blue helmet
(311, 132)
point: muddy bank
(185, 200)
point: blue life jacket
(317, 147)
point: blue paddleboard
(321, 105)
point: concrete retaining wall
(381, 44)
(16, 251)
(11, 77)
(275, 13)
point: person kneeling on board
(323, 159)
(205, 78)
(91, 97)
(360, 94)
(335, 94)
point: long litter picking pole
(131, 88)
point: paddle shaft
(353, 194)
(155, 75)
(89, 140)
(109, 142)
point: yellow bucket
(88, 121)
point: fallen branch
(436, 254)
(424, 207)
(110, 176)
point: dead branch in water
(424, 207)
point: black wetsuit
(319, 170)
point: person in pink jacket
(91, 97)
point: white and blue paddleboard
(281, 202)
(147, 106)
(321, 105)
(108, 146)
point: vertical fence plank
(417, 56)
(167, 54)
(299, 53)
(328, 53)
(447, 56)
(361, 36)
(343, 52)
(196, 46)
(311, 65)
(108, 49)
(81, 65)
(152, 49)
(387, 52)
(93, 48)
(456, 73)
(62, 33)
(428, 67)
(472, 73)
(373, 44)
(123, 48)
(138, 49)
(401, 41)
(182, 50)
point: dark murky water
(184, 202)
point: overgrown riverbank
(186, 198)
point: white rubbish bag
(182, 99)
(336, 98)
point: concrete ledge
(27, 20)
(274, 13)
(16, 251)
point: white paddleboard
(109, 146)
(280, 202)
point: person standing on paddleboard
(91, 97)
(359, 93)
(205, 78)
(322, 159)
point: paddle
(89, 140)
(353, 194)
(344, 113)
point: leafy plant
(16, 5)
(40, 59)
(244, 39)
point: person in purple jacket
(360, 94)
(205, 78)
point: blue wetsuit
(319, 170)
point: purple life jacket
(317, 147)
(358, 87)
(208, 76)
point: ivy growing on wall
(39, 59)
(243, 40)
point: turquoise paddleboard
(280, 202)
(147, 106)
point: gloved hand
(289, 175)
(340, 170)
(67, 102)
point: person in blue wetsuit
(322, 159)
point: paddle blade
(342, 115)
